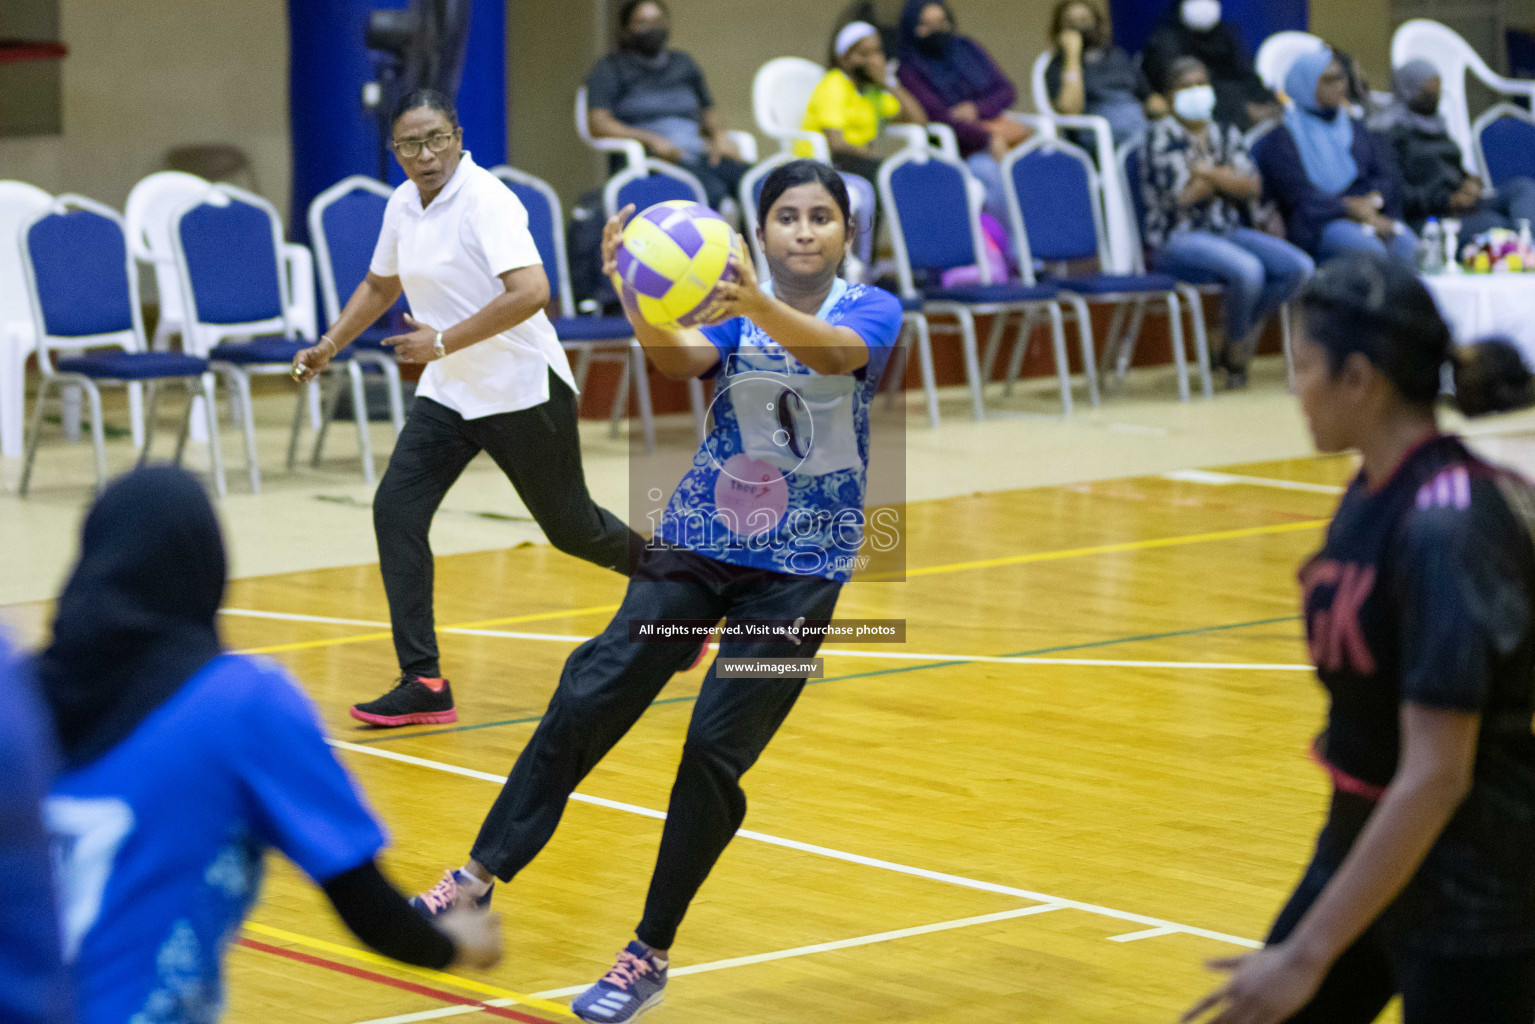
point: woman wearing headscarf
(1329, 176)
(182, 765)
(958, 84)
(854, 100)
(1435, 182)
(1193, 28)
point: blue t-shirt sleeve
(727, 338)
(34, 985)
(303, 802)
(875, 316)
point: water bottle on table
(1431, 248)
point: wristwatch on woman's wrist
(437, 349)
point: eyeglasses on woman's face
(409, 149)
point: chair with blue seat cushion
(84, 296)
(935, 226)
(1055, 205)
(655, 182)
(1505, 144)
(606, 339)
(228, 246)
(344, 225)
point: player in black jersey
(1420, 613)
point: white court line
(1149, 933)
(834, 652)
(745, 961)
(1204, 476)
(851, 858)
(290, 617)
(1090, 662)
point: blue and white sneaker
(450, 894)
(636, 983)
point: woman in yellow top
(854, 100)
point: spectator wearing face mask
(1435, 182)
(1090, 75)
(1196, 177)
(1329, 175)
(1193, 28)
(857, 96)
(958, 84)
(657, 95)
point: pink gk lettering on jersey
(1337, 641)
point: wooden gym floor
(1082, 775)
(937, 834)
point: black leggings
(1435, 988)
(610, 680)
(539, 450)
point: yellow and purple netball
(672, 261)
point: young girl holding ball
(758, 529)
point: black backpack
(589, 289)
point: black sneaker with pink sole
(413, 701)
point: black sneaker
(413, 701)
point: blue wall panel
(333, 136)
(1257, 19)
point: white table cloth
(1478, 305)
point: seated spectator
(1197, 176)
(1329, 176)
(1361, 98)
(855, 99)
(958, 83)
(658, 96)
(1434, 179)
(884, 15)
(1193, 28)
(1090, 75)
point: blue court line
(925, 666)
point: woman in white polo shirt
(456, 240)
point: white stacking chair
(152, 204)
(631, 149)
(19, 204)
(83, 286)
(780, 94)
(1278, 54)
(1037, 86)
(1454, 59)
